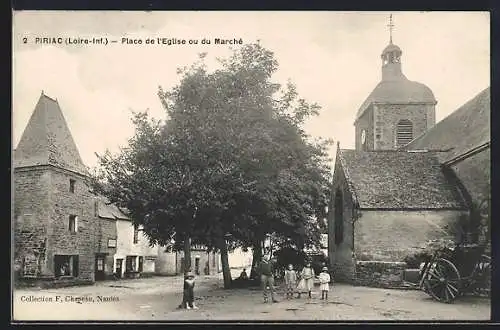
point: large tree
(231, 163)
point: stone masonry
(341, 255)
(380, 274)
(380, 122)
(50, 188)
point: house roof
(47, 140)
(109, 211)
(399, 90)
(464, 129)
(399, 180)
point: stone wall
(31, 205)
(82, 204)
(474, 173)
(43, 204)
(365, 122)
(213, 260)
(380, 274)
(341, 255)
(166, 264)
(30, 246)
(387, 116)
(380, 122)
(393, 235)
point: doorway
(100, 273)
(197, 266)
(119, 271)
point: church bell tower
(397, 110)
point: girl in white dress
(324, 283)
(306, 283)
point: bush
(289, 255)
(440, 247)
(318, 261)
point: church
(408, 180)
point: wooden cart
(458, 271)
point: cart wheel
(442, 281)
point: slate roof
(399, 180)
(398, 91)
(464, 129)
(48, 140)
(109, 211)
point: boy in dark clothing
(188, 294)
(267, 279)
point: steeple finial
(391, 27)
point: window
(136, 235)
(130, 264)
(71, 185)
(66, 265)
(404, 132)
(339, 218)
(73, 223)
(100, 264)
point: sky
(332, 57)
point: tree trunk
(256, 257)
(187, 266)
(187, 254)
(226, 271)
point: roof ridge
(458, 121)
(350, 185)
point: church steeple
(391, 57)
(397, 110)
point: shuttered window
(404, 132)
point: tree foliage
(232, 161)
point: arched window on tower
(404, 132)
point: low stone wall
(380, 274)
(50, 282)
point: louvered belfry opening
(404, 133)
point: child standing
(290, 281)
(307, 279)
(324, 283)
(188, 296)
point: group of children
(306, 281)
(299, 283)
